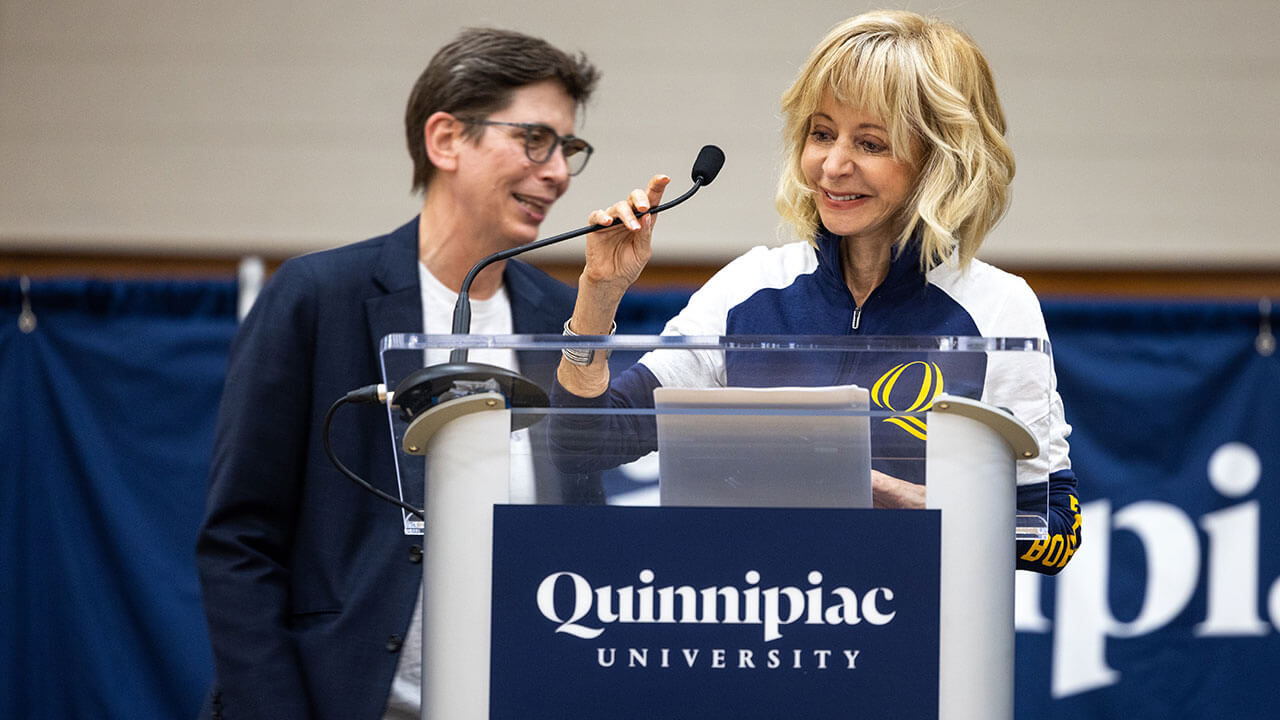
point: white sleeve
(1002, 305)
(1025, 382)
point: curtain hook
(27, 318)
(1265, 342)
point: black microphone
(421, 390)
(707, 165)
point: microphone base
(424, 389)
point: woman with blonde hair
(895, 170)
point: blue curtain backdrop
(1171, 609)
(107, 420)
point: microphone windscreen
(707, 166)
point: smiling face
(860, 188)
(507, 195)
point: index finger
(657, 184)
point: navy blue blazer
(310, 582)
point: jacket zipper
(850, 362)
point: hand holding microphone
(616, 256)
(705, 168)
(615, 259)
(632, 210)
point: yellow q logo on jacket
(930, 387)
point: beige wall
(1145, 132)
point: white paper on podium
(764, 447)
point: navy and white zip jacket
(795, 290)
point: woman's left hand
(890, 492)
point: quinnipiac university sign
(641, 612)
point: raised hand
(615, 257)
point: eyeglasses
(541, 141)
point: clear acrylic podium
(954, 414)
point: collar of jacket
(904, 266)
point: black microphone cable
(366, 394)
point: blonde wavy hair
(932, 86)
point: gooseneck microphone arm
(705, 168)
(462, 314)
